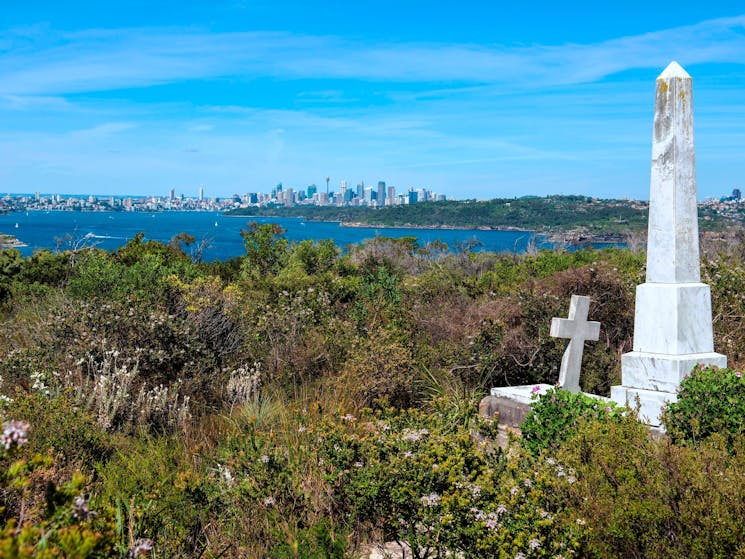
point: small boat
(17, 226)
(215, 224)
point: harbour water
(110, 230)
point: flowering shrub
(52, 520)
(555, 415)
(710, 401)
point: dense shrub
(556, 415)
(158, 492)
(710, 401)
(641, 496)
(41, 515)
(262, 367)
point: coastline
(363, 225)
(10, 241)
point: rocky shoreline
(361, 224)
(9, 241)
(568, 238)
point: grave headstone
(578, 329)
(512, 403)
(672, 322)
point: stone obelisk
(672, 323)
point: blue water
(110, 230)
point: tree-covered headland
(301, 402)
(550, 214)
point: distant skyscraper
(381, 193)
(413, 197)
(391, 198)
(361, 190)
(172, 195)
(736, 194)
(201, 193)
(312, 189)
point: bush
(41, 517)
(158, 491)
(710, 401)
(636, 495)
(555, 415)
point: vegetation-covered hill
(296, 402)
(552, 213)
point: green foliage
(266, 249)
(710, 401)
(218, 406)
(316, 257)
(61, 427)
(556, 415)
(41, 517)
(158, 492)
(524, 213)
(46, 267)
(640, 496)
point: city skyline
(482, 101)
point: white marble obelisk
(672, 324)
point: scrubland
(301, 402)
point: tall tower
(201, 193)
(381, 193)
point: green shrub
(62, 428)
(41, 517)
(158, 492)
(555, 415)
(710, 401)
(636, 495)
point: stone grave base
(650, 380)
(650, 402)
(512, 403)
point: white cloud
(54, 63)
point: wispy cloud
(57, 63)
(102, 130)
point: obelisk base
(652, 379)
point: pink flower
(15, 433)
(738, 374)
(142, 548)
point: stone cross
(578, 329)
(672, 320)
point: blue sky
(470, 99)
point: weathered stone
(672, 322)
(511, 403)
(578, 329)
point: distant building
(201, 193)
(381, 193)
(413, 196)
(391, 197)
(311, 190)
(736, 194)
